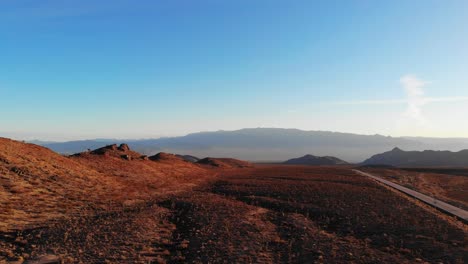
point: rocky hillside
(99, 206)
(38, 185)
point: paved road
(450, 209)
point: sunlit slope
(37, 184)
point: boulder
(124, 147)
(126, 157)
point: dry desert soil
(448, 185)
(113, 205)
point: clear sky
(139, 69)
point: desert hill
(427, 158)
(142, 176)
(39, 185)
(123, 151)
(87, 206)
(162, 156)
(315, 160)
(225, 163)
(189, 158)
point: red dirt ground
(109, 208)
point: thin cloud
(446, 99)
(427, 100)
(415, 99)
(370, 102)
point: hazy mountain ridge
(272, 144)
(314, 160)
(427, 158)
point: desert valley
(232, 132)
(114, 205)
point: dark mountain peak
(397, 149)
(332, 158)
(315, 160)
(426, 158)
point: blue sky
(139, 69)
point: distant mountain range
(270, 144)
(314, 160)
(427, 158)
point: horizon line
(32, 139)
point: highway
(450, 209)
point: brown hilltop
(225, 163)
(162, 156)
(208, 162)
(123, 151)
(38, 185)
(141, 176)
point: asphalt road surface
(450, 209)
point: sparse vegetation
(448, 185)
(98, 207)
